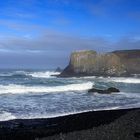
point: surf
(17, 89)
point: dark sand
(96, 125)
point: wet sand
(123, 124)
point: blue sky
(43, 33)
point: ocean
(26, 94)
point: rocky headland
(89, 62)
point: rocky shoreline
(122, 124)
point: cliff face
(117, 63)
(130, 59)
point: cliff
(130, 59)
(117, 63)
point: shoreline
(68, 126)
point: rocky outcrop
(106, 91)
(117, 63)
(58, 69)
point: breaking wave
(15, 89)
(22, 74)
(46, 74)
(125, 80)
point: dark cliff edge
(90, 63)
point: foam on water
(73, 100)
(35, 116)
(107, 108)
(15, 73)
(42, 74)
(4, 116)
(46, 74)
(15, 89)
(125, 80)
(130, 95)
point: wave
(24, 74)
(5, 116)
(15, 74)
(15, 89)
(46, 74)
(125, 80)
(67, 113)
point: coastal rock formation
(106, 91)
(130, 59)
(58, 69)
(117, 63)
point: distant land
(116, 63)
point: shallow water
(37, 94)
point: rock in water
(117, 63)
(58, 69)
(106, 91)
(112, 89)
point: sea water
(28, 94)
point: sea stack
(89, 62)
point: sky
(43, 33)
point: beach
(123, 124)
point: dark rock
(117, 63)
(112, 89)
(106, 91)
(58, 69)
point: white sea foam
(15, 89)
(46, 74)
(43, 74)
(8, 116)
(4, 116)
(20, 73)
(107, 108)
(130, 95)
(35, 116)
(125, 80)
(88, 77)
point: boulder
(112, 89)
(106, 91)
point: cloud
(50, 40)
(127, 43)
(53, 48)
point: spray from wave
(46, 74)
